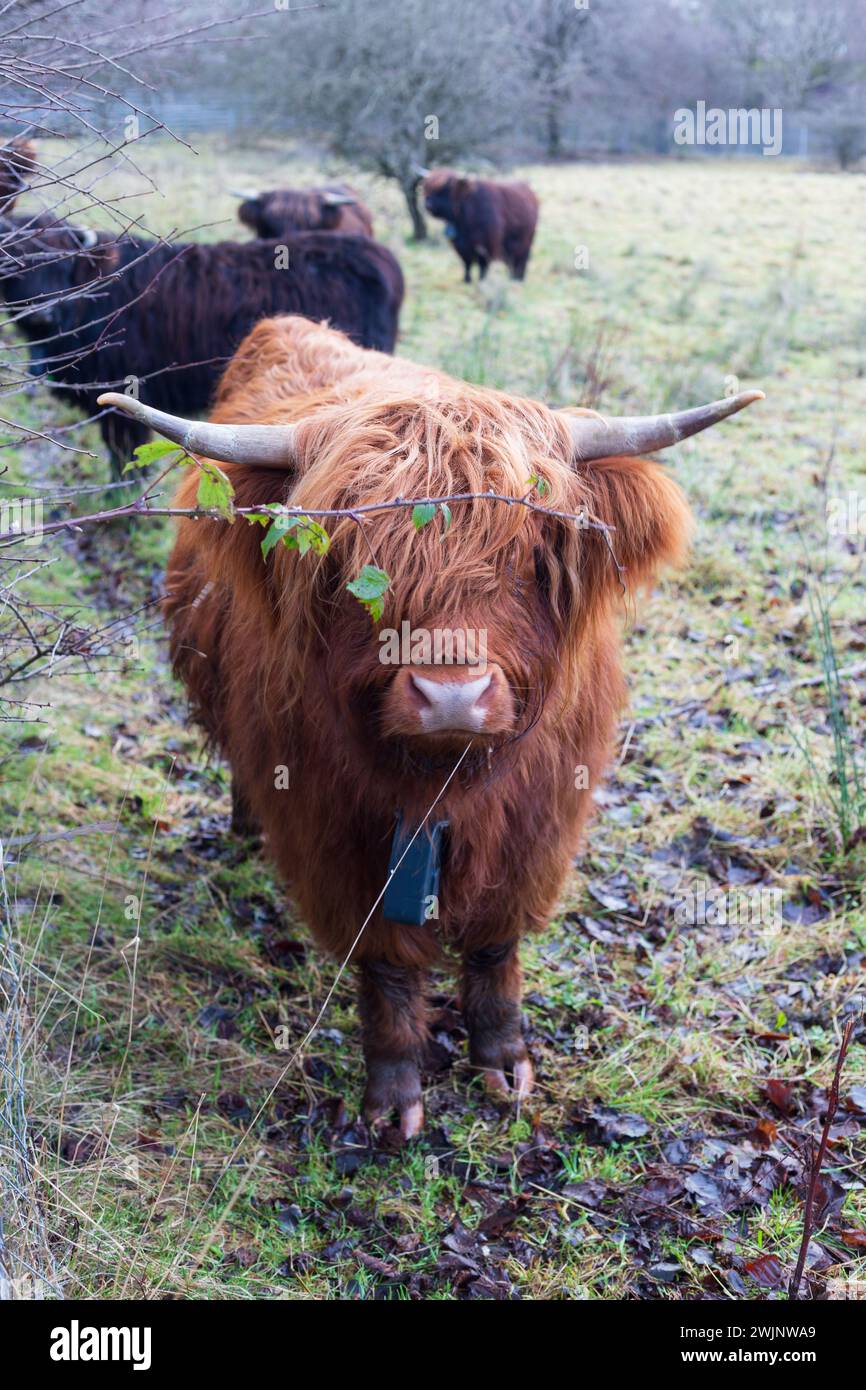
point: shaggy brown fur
(487, 220)
(305, 210)
(282, 666)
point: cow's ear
(649, 523)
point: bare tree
(810, 61)
(647, 61)
(840, 122)
(787, 53)
(554, 41)
(402, 84)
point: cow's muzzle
(445, 702)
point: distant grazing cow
(487, 221)
(288, 675)
(333, 208)
(17, 163)
(170, 316)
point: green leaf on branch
(270, 511)
(424, 512)
(541, 485)
(300, 533)
(146, 454)
(370, 589)
(215, 492)
(275, 532)
(308, 535)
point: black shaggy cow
(97, 311)
(334, 207)
(487, 221)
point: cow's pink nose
(441, 701)
(452, 705)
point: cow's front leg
(394, 1029)
(243, 823)
(491, 1011)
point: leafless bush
(58, 81)
(66, 72)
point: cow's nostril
(417, 690)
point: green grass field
(178, 1153)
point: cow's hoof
(506, 1069)
(394, 1086)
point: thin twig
(141, 507)
(817, 1162)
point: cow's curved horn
(87, 236)
(258, 446)
(243, 193)
(335, 200)
(420, 171)
(595, 437)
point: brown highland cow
(485, 219)
(334, 208)
(283, 665)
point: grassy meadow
(681, 1068)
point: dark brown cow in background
(286, 672)
(334, 207)
(17, 163)
(486, 220)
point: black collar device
(412, 894)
